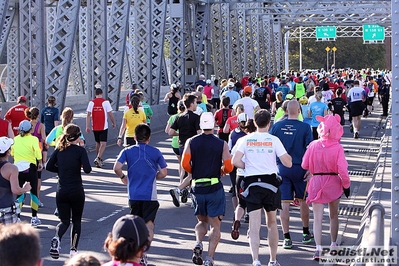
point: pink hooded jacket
(325, 159)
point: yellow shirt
(204, 99)
(132, 120)
(26, 148)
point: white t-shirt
(356, 94)
(260, 150)
(249, 106)
(327, 95)
(240, 171)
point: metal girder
(13, 60)
(97, 43)
(267, 40)
(233, 37)
(130, 47)
(117, 32)
(150, 19)
(189, 53)
(394, 127)
(278, 47)
(60, 56)
(83, 43)
(218, 40)
(76, 72)
(32, 51)
(177, 44)
(6, 16)
(127, 75)
(201, 31)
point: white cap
(242, 117)
(230, 84)
(207, 121)
(208, 81)
(247, 73)
(5, 144)
(202, 76)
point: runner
(172, 98)
(250, 105)
(261, 183)
(5, 127)
(221, 117)
(325, 160)
(50, 115)
(356, 97)
(98, 109)
(16, 114)
(295, 136)
(145, 165)
(67, 161)
(207, 191)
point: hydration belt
(205, 182)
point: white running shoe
(55, 247)
(35, 221)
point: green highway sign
(373, 32)
(326, 32)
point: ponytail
(135, 101)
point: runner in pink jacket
(325, 160)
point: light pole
(334, 50)
(327, 50)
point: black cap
(131, 227)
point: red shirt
(3, 128)
(232, 122)
(221, 117)
(15, 115)
(99, 107)
(208, 91)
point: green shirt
(175, 139)
(148, 111)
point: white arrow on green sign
(326, 32)
(373, 32)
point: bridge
(53, 46)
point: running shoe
(356, 136)
(351, 128)
(235, 233)
(208, 262)
(73, 252)
(55, 247)
(287, 243)
(144, 260)
(316, 255)
(307, 238)
(184, 195)
(35, 221)
(256, 263)
(41, 205)
(175, 196)
(197, 255)
(97, 162)
(274, 263)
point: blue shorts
(292, 182)
(212, 204)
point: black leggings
(67, 203)
(29, 175)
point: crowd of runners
(277, 137)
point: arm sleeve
(52, 162)
(186, 162)
(85, 161)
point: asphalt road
(106, 201)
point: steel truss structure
(111, 44)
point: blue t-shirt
(305, 111)
(284, 89)
(295, 136)
(48, 116)
(143, 162)
(317, 108)
(233, 95)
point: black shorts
(240, 188)
(146, 209)
(176, 151)
(100, 135)
(260, 197)
(357, 108)
(130, 141)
